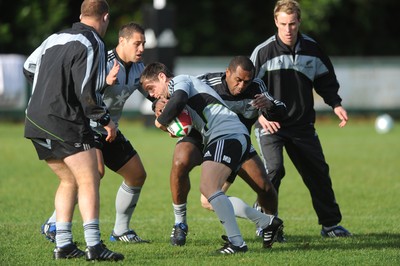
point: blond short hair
(289, 7)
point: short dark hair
(243, 61)
(127, 30)
(94, 8)
(152, 70)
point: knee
(135, 179)
(182, 165)
(181, 168)
(269, 191)
(141, 177)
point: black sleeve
(151, 99)
(326, 84)
(277, 111)
(153, 105)
(173, 108)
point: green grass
(366, 177)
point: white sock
(180, 213)
(52, 218)
(243, 210)
(63, 234)
(92, 232)
(224, 210)
(125, 204)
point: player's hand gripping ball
(181, 125)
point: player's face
(238, 80)
(157, 88)
(288, 28)
(132, 48)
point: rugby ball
(181, 125)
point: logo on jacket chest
(121, 98)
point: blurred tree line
(217, 28)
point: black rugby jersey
(291, 76)
(240, 104)
(68, 70)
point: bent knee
(182, 163)
(136, 179)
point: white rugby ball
(181, 125)
(383, 124)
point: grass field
(365, 169)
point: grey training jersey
(209, 113)
(116, 95)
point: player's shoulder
(111, 56)
(212, 79)
(311, 45)
(181, 82)
(264, 49)
(307, 38)
(267, 43)
(181, 78)
(211, 75)
(138, 66)
(258, 85)
(85, 33)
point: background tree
(24, 23)
(218, 28)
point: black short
(54, 149)
(231, 151)
(195, 138)
(117, 153)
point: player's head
(131, 41)
(239, 74)
(95, 13)
(287, 15)
(155, 78)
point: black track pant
(304, 149)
